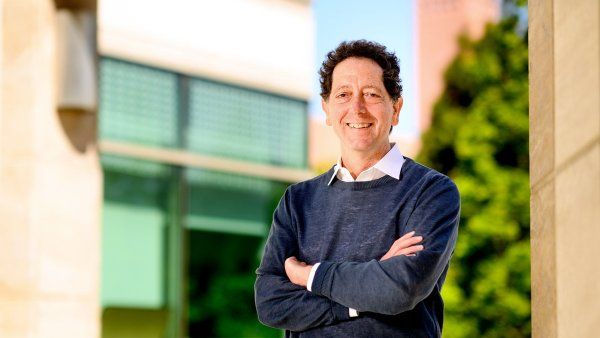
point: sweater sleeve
(279, 302)
(399, 283)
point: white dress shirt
(390, 164)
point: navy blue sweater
(348, 227)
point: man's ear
(397, 107)
(326, 110)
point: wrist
(311, 276)
(306, 275)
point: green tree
(479, 137)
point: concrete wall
(263, 44)
(564, 37)
(50, 187)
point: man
(362, 250)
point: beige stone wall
(564, 41)
(50, 188)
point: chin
(361, 146)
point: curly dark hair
(367, 49)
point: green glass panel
(230, 203)
(141, 104)
(227, 181)
(132, 253)
(133, 233)
(239, 123)
(137, 103)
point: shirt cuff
(311, 276)
(352, 312)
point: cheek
(338, 116)
(382, 115)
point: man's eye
(341, 95)
(372, 94)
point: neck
(357, 162)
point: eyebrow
(365, 87)
(341, 87)
(372, 87)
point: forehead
(355, 69)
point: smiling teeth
(358, 125)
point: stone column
(50, 187)
(564, 39)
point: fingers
(407, 238)
(405, 241)
(293, 260)
(411, 250)
(410, 241)
(405, 245)
(406, 235)
(296, 271)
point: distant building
(440, 23)
(118, 197)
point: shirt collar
(336, 168)
(390, 164)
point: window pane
(137, 104)
(239, 123)
(133, 233)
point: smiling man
(362, 250)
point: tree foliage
(479, 137)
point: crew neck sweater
(348, 227)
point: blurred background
(160, 135)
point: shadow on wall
(79, 126)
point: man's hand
(404, 245)
(297, 271)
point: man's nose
(358, 104)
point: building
(198, 134)
(440, 24)
(128, 201)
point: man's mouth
(359, 125)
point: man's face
(359, 108)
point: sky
(389, 22)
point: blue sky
(390, 22)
